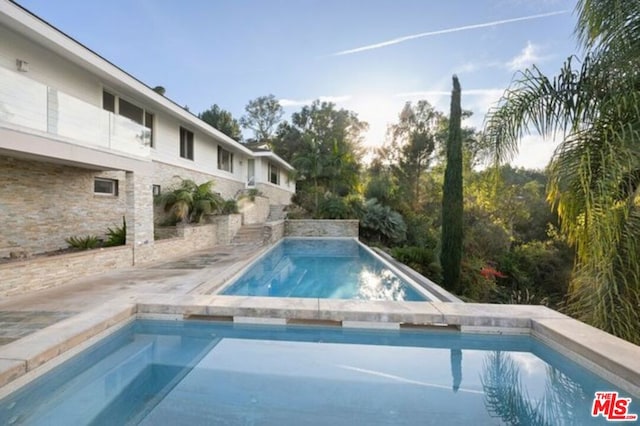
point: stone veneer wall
(228, 226)
(275, 194)
(188, 239)
(165, 176)
(321, 228)
(45, 272)
(274, 231)
(22, 276)
(255, 211)
(41, 204)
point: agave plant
(189, 202)
(381, 223)
(594, 108)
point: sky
(368, 56)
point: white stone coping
(612, 358)
(27, 354)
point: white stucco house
(83, 143)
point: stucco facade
(68, 117)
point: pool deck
(42, 329)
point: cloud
(445, 31)
(301, 102)
(469, 67)
(529, 55)
(535, 152)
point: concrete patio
(199, 273)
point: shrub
(189, 202)
(83, 243)
(422, 259)
(476, 287)
(117, 236)
(253, 193)
(422, 231)
(380, 223)
(541, 268)
(229, 206)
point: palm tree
(189, 202)
(594, 174)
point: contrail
(445, 31)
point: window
(108, 101)
(148, 123)
(117, 105)
(225, 160)
(105, 186)
(186, 143)
(156, 190)
(131, 111)
(251, 172)
(274, 174)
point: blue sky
(369, 56)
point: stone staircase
(250, 234)
(277, 212)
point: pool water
(204, 373)
(323, 268)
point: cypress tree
(451, 253)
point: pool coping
(614, 359)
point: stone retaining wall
(321, 228)
(46, 272)
(273, 231)
(228, 227)
(255, 211)
(39, 273)
(276, 194)
(188, 239)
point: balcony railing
(32, 106)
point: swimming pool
(197, 373)
(324, 268)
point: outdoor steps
(276, 212)
(250, 234)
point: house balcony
(28, 106)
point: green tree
(413, 141)
(324, 144)
(452, 208)
(223, 121)
(262, 116)
(594, 108)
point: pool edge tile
(379, 311)
(615, 359)
(11, 369)
(47, 343)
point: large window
(186, 143)
(225, 160)
(274, 174)
(117, 105)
